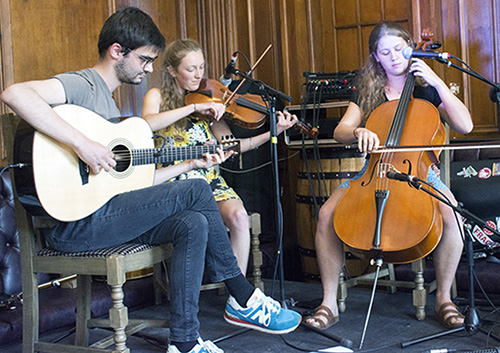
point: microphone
(226, 78)
(425, 54)
(402, 177)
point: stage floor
(392, 323)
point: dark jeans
(183, 213)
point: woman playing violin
(382, 80)
(165, 110)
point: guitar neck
(167, 155)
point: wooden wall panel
(345, 13)
(348, 41)
(55, 36)
(397, 10)
(328, 46)
(469, 32)
(371, 11)
(265, 34)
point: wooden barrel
(335, 166)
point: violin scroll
(306, 129)
(427, 42)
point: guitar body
(57, 171)
(56, 182)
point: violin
(246, 110)
(393, 221)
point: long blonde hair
(171, 96)
(373, 79)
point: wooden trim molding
(7, 60)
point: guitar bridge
(84, 171)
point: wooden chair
(112, 263)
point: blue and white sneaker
(262, 313)
(201, 347)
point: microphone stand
(472, 323)
(271, 96)
(494, 91)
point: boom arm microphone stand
(270, 95)
(495, 86)
(472, 322)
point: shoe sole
(241, 323)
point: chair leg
(84, 295)
(342, 292)
(419, 293)
(30, 314)
(254, 220)
(29, 278)
(392, 278)
(118, 314)
(158, 284)
(118, 318)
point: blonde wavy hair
(373, 79)
(171, 96)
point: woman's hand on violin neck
(213, 109)
(285, 121)
(368, 141)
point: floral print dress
(197, 133)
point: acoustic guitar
(56, 182)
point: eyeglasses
(145, 60)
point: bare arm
(285, 121)
(31, 101)
(349, 130)
(451, 108)
(159, 120)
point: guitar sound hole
(123, 157)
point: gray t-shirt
(87, 89)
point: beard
(125, 76)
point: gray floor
(392, 322)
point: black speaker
(476, 184)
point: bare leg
(330, 252)
(447, 255)
(235, 217)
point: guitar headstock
(230, 143)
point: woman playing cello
(165, 110)
(383, 79)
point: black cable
(17, 165)
(250, 73)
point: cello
(394, 221)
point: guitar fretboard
(166, 155)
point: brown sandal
(443, 317)
(324, 317)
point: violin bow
(458, 146)
(252, 68)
